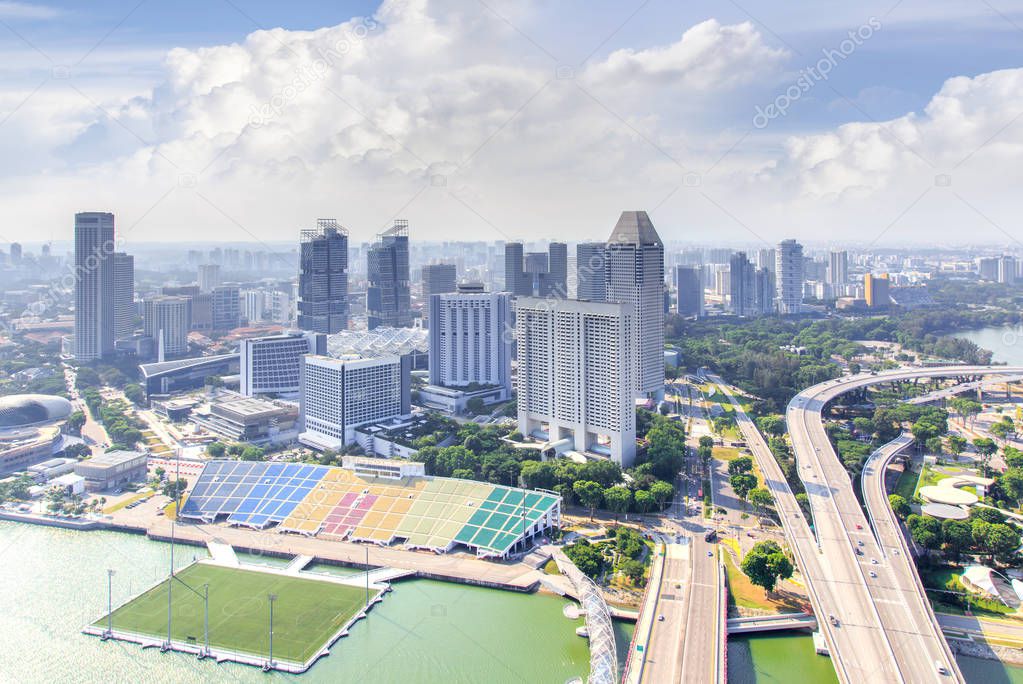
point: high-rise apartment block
(471, 340)
(94, 286)
(340, 394)
(208, 277)
(590, 258)
(789, 276)
(635, 277)
(167, 320)
(838, 268)
(388, 299)
(273, 364)
(323, 278)
(574, 377)
(876, 290)
(226, 307)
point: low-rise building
(112, 470)
(24, 447)
(237, 418)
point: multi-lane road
(885, 629)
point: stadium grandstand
(376, 501)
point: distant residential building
(763, 291)
(574, 368)
(789, 277)
(253, 307)
(124, 296)
(1007, 269)
(590, 260)
(280, 306)
(339, 395)
(15, 252)
(272, 364)
(167, 320)
(876, 290)
(838, 268)
(209, 277)
(542, 274)
(515, 280)
(388, 299)
(323, 278)
(688, 291)
(635, 276)
(471, 340)
(439, 279)
(554, 283)
(742, 292)
(987, 268)
(94, 286)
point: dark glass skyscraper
(94, 285)
(323, 278)
(388, 301)
(589, 269)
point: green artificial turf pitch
(307, 612)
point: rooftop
(635, 228)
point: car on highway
(873, 561)
(833, 620)
(710, 553)
(873, 574)
(859, 552)
(859, 526)
(660, 618)
(710, 536)
(859, 542)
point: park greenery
(765, 564)
(624, 554)
(124, 428)
(985, 534)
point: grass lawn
(906, 486)
(948, 578)
(730, 454)
(744, 594)
(306, 614)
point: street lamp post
(270, 661)
(206, 617)
(367, 576)
(110, 608)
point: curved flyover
(886, 631)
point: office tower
(167, 320)
(742, 287)
(1007, 269)
(689, 291)
(279, 306)
(838, 268)
(765, 258)
(987, 268)
(554, 283)
(388, 302)
(439, 279)
(590, 271)
(718, 255)
(124, 295)
(339, 395)
(94, 285)
(764, 290)
(471, 339)
(226, 307)
(209, 277)
(273, 364)
(323, 278)
(789, 276)
(574, 375)
(635, 276)
(15, 252)
(515, 280)
(876, 290)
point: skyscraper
(789, 276)
(554, 283)
(876, 290)
(635, 276)
(471, 339)
(124, 295)
(167, 320)
(272, 364)
(574, 376)
(741, 274)
(94, 285)
(542, 274)
(515, 280)
(323, 278)
(209, 277)
(388, 301)
(226, 307)
(590, 271)
(838, 268)
(15, 252)
(689, 291)
(438, 279)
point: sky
(871, 123)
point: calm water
(54, 582)
(1006, 343)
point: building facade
(124, 296)
(94, 286)
(590, 271)
(273, 364)
(167, 320)
(471, 340)
(340, 394)
(789, 277)
(226, 307)
(388, 299)
(635, 277)
(323, 278)
(208, 277)
(574, 384)
(688, 291)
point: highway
(886, 630)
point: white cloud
(24, 10)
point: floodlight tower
(270, 660)
(110, 608)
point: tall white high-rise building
(574, 376)
(471, 339)
(635, 276)
(94, 285)
(340, 394)
(209, 277)
(167, 321)
(789, 276)
(124, 295)
(273, 364)
(838, 268)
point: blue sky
(658, 88)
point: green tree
(586, 557)
(135, 394)
(662, 491)
(252, 453)
(618, 499)
(739, 465)
(772, 425)
(743, 484)
(761, 500)
(634, 570)
(589, 493)
(539, 474)
(215, 449)
(75, 422)
(986, 447)
(475, 406)
(957, 536)
(644, 501)
(1011, 483)
(926, 531)
(706, 441)
(899, 506)
(934, 446)
(765, 564)
(463, 474)
(956, 444)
